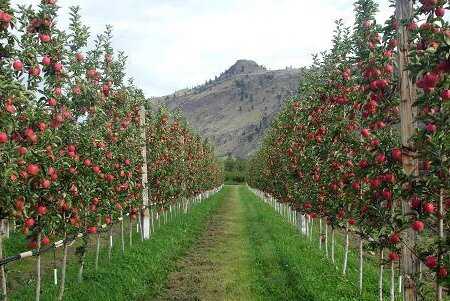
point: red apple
(32, 169)
(395, 238)
(17, 65)
(57, 67)
(46, 61)
(45, 38)
(428, 208)
(3, 137)
(440, 12)
(387, 194)
(365, 133)
(45, 240)
(29, 222)
(431, 128)
(52, 102)
(46, 183)
(418, 225)
(22, 150)
(389, 68)
(34, 71)
(443, 272)
(32, 244)
(397, 154)
(415, 203)
(445, 94)
(380, 158)
(390, 178)
(79, 57)
(393, 256)
(341, 213)
(431, 262)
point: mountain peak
(242, 67)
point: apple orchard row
(70, 132)
(335, 150)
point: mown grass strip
(139, 274)
(288, 267)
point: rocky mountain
(234, 110)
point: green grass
(287, 266)
(141, 272)
(218, 266)
(266, 259)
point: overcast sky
(174, 44)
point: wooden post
(145, 212)
(408, 126)
(5, 227)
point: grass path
(231, 246)
(250, 253)
(218, 266)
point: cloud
(173, 44)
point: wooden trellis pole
(145, 213)
(404, 9)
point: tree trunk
(320, 233)
(361, 264)
(153, 221)
(326, 238)
(344, 267)
(131, 231)
(439, 295)
(333, 259)
(122, 233)
(392, 282)
(63, 270)
(301, 223)
(110, 242)
(38, 269)
(80, 270)
(97, 248)
(380, 277)
(2, 268)
(140, 227)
